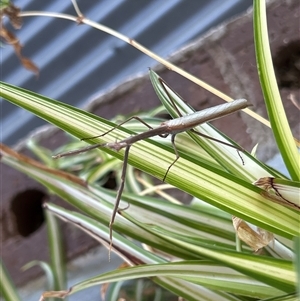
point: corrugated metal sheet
(77, 62)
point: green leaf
(177, 230)
(47, 270)
(195, 177)
(57, 254)
(297, 262)
(276, 113)
(206, 273)
(272, 271)
(7, 287)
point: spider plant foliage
(192, 250)
(185, 233)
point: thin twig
(146, 51)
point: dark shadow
(27, 209)
(287, 65)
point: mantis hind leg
(238, 148)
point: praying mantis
(170, 127)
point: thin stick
(81, 19)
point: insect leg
(238, 148)
(117, 126)
(176, 153)
(119, 194)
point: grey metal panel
(77, 62)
